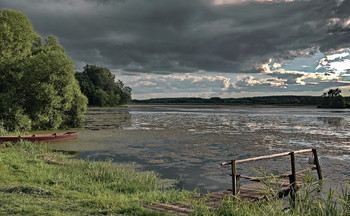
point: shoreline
(37, 181)
(204, 106)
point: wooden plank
(267, 157)
(263, 157)
(302, 151)
(272, 156)
(173, 208)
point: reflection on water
(188, 143)
(98, 118)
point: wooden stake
(293, 179)
(317, 163)
(233, 169)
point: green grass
(31, 186)
(4, 132)
(34, 180)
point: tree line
(321, 102)
(265, 100)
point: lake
(188, 143)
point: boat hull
(37, 138)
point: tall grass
(31, 186)
(307, 201)
(333, 202)
(3, 132)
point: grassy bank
(34, 180)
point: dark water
(189, 143)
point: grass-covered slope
(36, 181)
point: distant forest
(266, 100)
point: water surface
(188, 143)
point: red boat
(55, 137)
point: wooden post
(317, 163)
(238, 183)
(293, 179)
(292, 193)
(318, 167)
(233, 170)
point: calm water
(189, 143)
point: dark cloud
(165, 36)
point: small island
(333, 99)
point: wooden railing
(292, 176)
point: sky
(204, 48)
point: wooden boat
(37, 138)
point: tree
(51, 87)
(16, 36)
(38, 86)
(100, 87)
(333, 99)
(124, 92)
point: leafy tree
(333, 99)
(51, 87)
(16, 35)
(38, 87)
(124, 92)
(99, 86)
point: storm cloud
(168, 36)
(204, 48)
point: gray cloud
(277, 85)
(178, 83)
(202, 85)
(166, 36)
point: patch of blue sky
(304, 63)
